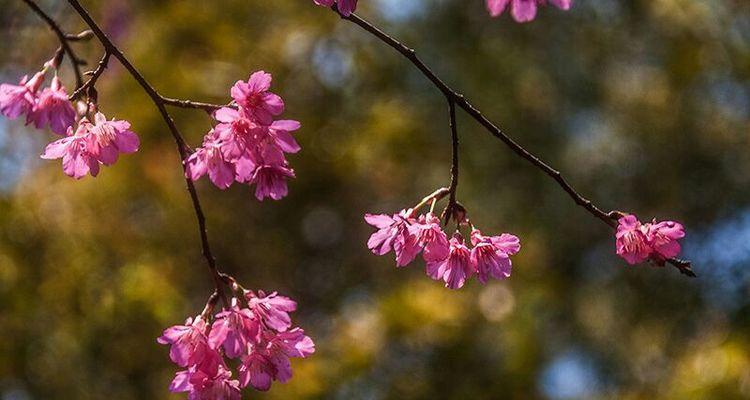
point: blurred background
(643, 104)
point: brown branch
(94, 77)
(64, 40)
(494, 130)
(453, 207)
(182, 147)
(208, 107)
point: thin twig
(208, 107)
(410, 54)
(450, 208)
(64, 41)
(94, 77)
(182, 147)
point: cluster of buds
(450, 260)
(255, 329)
(248, 145)
(85, 145)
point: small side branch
(64, 41)
(458, 99)
(94, 77)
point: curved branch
(682, 265)
(182, 147)
(64, 40)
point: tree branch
(64, 40)
(182, 147)
(94, 77)
(682, 265)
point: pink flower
(273, 309)
(431, 237)
(280, 135)
(77, 161)
(393, 233)
(108, 139)
(523, 10)
(254, 98)
(53, 108)
(491, 254)
(456, 268)
(257, 370)
(631, 241)
(237, 133)
(16, 100)
(189, 342)
(210, 160)
(269, 173)
(208, 380)
(662, 237)
(346, 7)
(636, 242)
(234, 330)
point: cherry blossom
(523, 10)
(107, 139)
(188, 342)
(17, 100)
(247, 145)
(77, 161)
(53, 109)
(491, 254)
(637, 242)
(456, 268)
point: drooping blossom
(17, 100)
(637, 242)
(189, 343)
(431, 237)
(345, 7)
(268, 172)
(663, 236)
(273, 309)
(77, 161)
(234, 330)
(209, 159)
(53, 109)
(456, 268)
(257, 331)
(394, 234)
(491, 254)
(523, 10)
(108, 139)
(209, 379)
(255, 99)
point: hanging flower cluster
(655, 241)
(523, 10)
(86, 145)
(248, 145)
(450, 260)
(256, 330)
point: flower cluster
(523, 10)
(657, 241)
(92, 144)
(48, 107)
(450, 260)
(256, 330)
(86, 145)
(248, 145)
